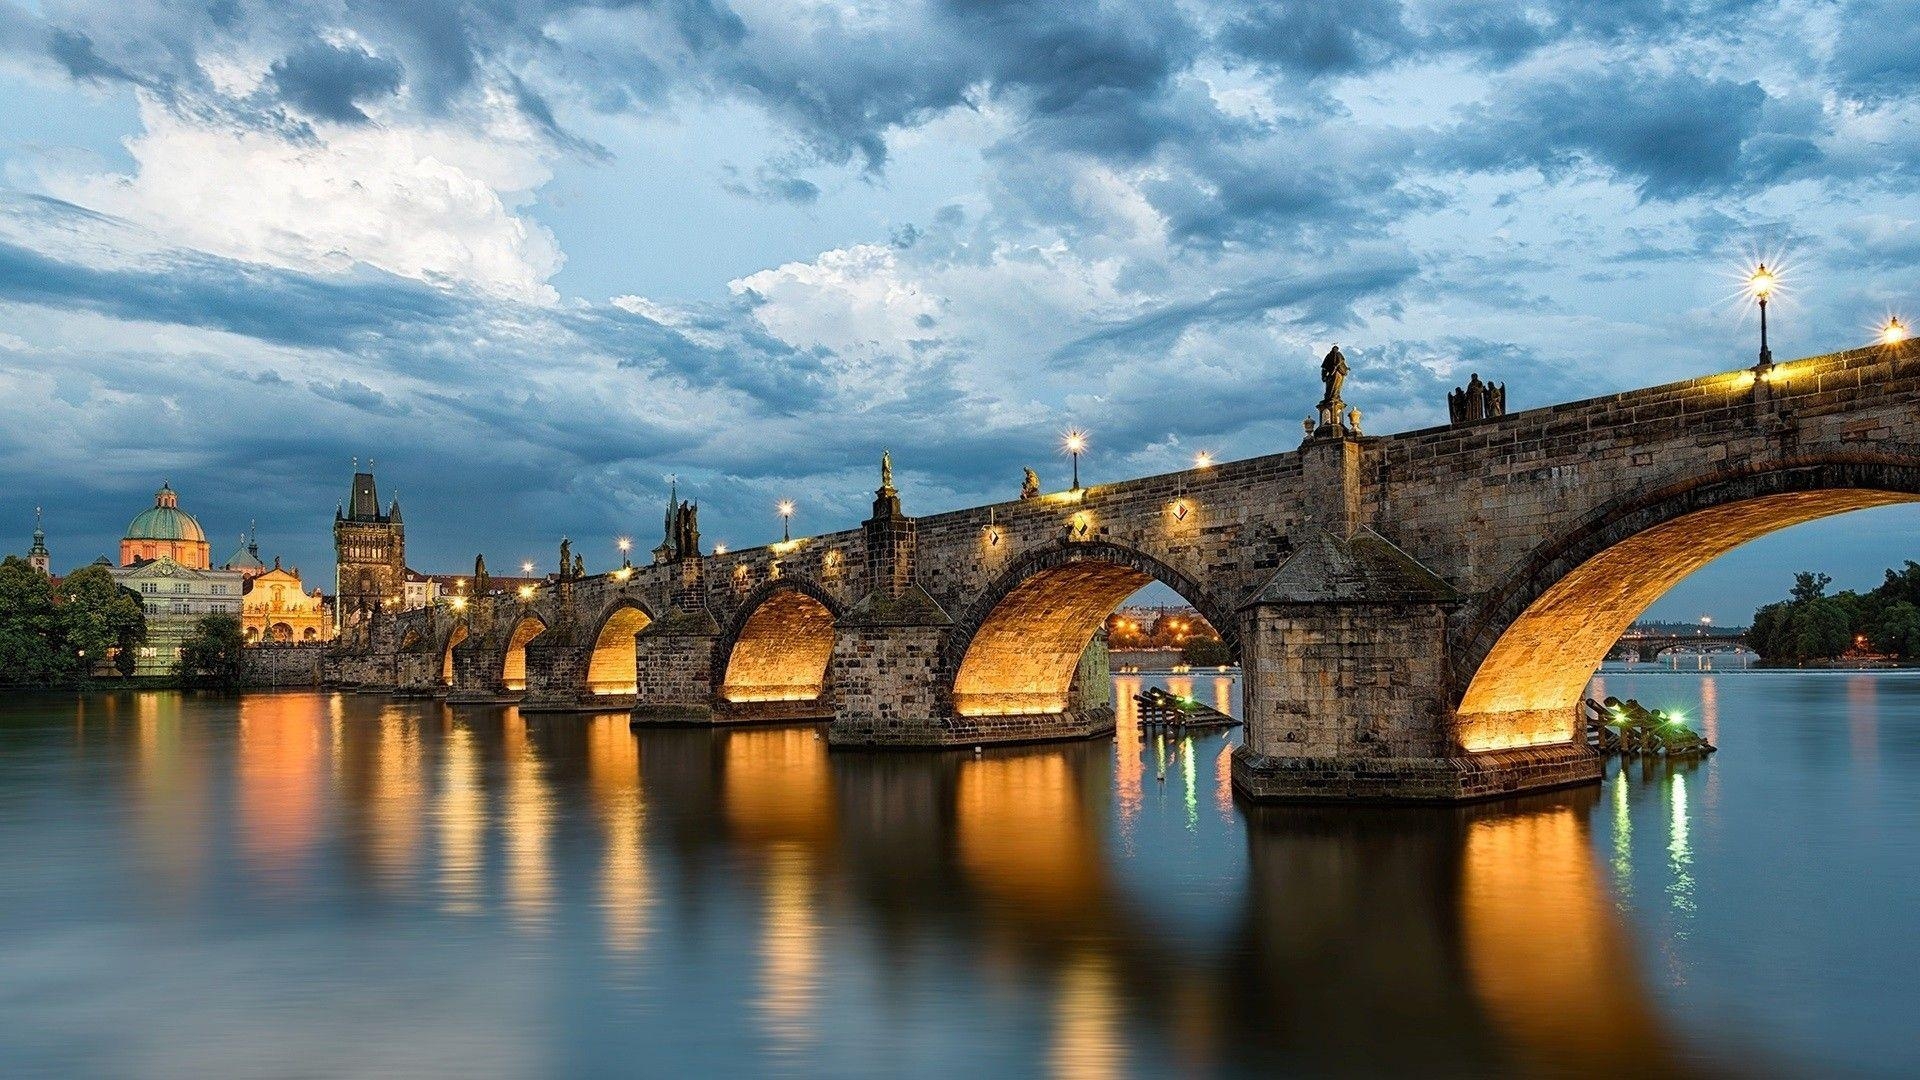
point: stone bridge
(1417, 614)
(1649, 647)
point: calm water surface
(304, 885)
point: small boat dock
(1630, 728)
(1164, 711)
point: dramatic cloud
(534, 257)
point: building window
(219, 590)
(179, 607)
(149, 587)
(181, 588)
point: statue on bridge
(481, 583)
(566, 558)
(1333, 375)
(1030, 485)
(886, 472)
(1476, 401)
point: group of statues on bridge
(1476, 401)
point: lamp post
(786, 517)
(527, 567)
(1894, 332)
(626, 545)
(1203, 460)
(1075, 441)
(1760, 283)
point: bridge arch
(611, 661)
(455, 636)
(513, 666)
(1524, 656)
(779, 643)
(1015, 647)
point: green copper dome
(165, 520)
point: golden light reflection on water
(789, 948)
(460, 812)
(1024, 834)
(613, 772)
(1130, 770)
(395, 808)
(172, 804)
(777, 785)
(528, 825)
(1545, 951)
(280, 777)
(1088, 1041)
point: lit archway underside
(1022, 659)
(513, 672)
(781, 653)
(1526, 691)
(446, 658)
(611, 668)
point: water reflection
(810, 905)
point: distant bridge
(1416, 614)
(1651, 647)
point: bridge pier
(1346, 673)
(673, 660)
(556, 676)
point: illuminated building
(277, 607)
(166, 531)
(370, 553)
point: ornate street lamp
(626, 545)
(1894, 332)
(786, 517)
(527, 567)
(1761, 284)
(1203, 460)
(1074, 442)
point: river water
(306, 885)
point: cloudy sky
(533, 257)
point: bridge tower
(370, 552)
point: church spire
(38, 557)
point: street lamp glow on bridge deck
(1203, 460)
(1074, 442)
(1893, 331)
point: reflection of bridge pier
(1488, 935)
(1417, 614)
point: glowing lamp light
(785, 509)
(1203, 460)
(526, 592)
(719, 549)
(527, 567)
(1894, 332)
(623, 573)
(459, 603)
(1074, 442)
(626, 544)
(1761, 282)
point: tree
(1821, 629)
(97, 616)
(215, 654)
(1897, 630)
(31, 651)
(1206, 652)
(1809, 586)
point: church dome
(165, 521)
